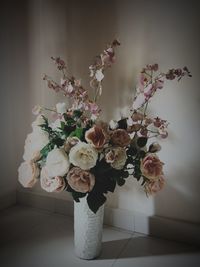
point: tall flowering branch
(97, 69)
(71, 87)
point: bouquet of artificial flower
(79, 153)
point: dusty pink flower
(96, 136)
(80, 180)
(55, 184)
(151, 166)
(120, 137)
(117, 157)
(153, 187)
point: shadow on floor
(143, 247)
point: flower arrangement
(85, 156)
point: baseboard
(132, 221)
(7, 200)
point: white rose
(55, 184)
(35, 141)
(28, 173)
(83, 155)
(61, 107)
(57, 163)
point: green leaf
(121, 182)
(132, 151)
(142, 141)
(77, 195)
(122, 124)
(46, 149)
(142, 153)
(95, 200)
(125, 174)
(62, 124)
(77, 113)
(77, 133)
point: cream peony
(55, 184)
(28, 173)
(117, 157)
(35, 141)
(57, 163)
(83, 155)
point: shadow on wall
(15, 90)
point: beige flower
(57, 163)
(153, 187)
(151, 166)
(28, 173)
(120, 137)
(96, 136)
(55, 184)
(117, 157)
(83, 155)
(80, 180)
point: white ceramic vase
(88, 228)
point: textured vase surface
(88, 228)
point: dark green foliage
(78, 132)
(76, 195)
(142, 141)
(122, 124)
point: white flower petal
(99, 75)
(61, 107)
(83, 155)
(57, 163)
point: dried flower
(120, 137)
(151, 167)
(80, 180)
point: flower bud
(154, 147)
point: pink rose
(151, 166)
(55, 184)
(80, 180)
(153, 187)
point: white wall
(150, 31)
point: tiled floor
(33, 238)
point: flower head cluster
(85, 156)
